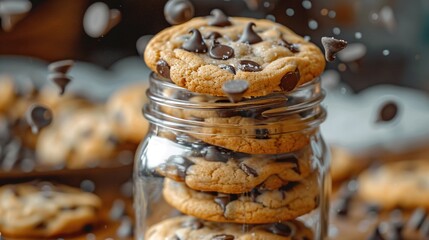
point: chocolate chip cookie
(205, 53)
(257, 206)
(218, 170)
(190, 228)
(44, 210)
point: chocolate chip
(249, 36)
(87, 185)
(294, 48)
(195, 43)
(289, 159)
(163, 68)
(417, 218)
(262, 133)
(223, 237)
(424, 229)
(61, 66)
(281, 229)
(178, 11)
(342, 207)
(38, 117)
(212, 154)
(248, 170)
(219, 19)
(376, 234)
(213, 35)
(88, 228)
(373, 208)
(41, 225)
(289, 186)
(290, 80)
(332, 46)
(228, 67)
(193, 223)
(117, 210)
(219, 51)
(235, 89)
(222, 201)
(125, 229)
(61, 80)
(249, 66)
(175, 167)
(388, 112)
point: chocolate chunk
(224, 199)
(118, 210)
(417, 218)
(125, 229)
(235, 89)
(281, 229)
(163, 68)
(289, 159)
(289, 186)
(38, 117)
(87, 185)
(342, 207)
(249, 36)
(248, 170)
(388, 112)
(213, 35)
(212, 154)
(290, 80)
(61, 66)
(223, 237)
(88, 228)
(219, 51)
(219, 19)
(376, 235)
(61, 80)
(249, 66)
(178, 11)
(228, 67)
(332, 46)
(41, 225)
(195, 43)
(262, 133)
(175, 167)
(194, 224)
(294, 48)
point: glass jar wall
(211, 169)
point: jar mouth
(178, 108)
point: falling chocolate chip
(249, 66)
(38, 117)
(219, 51)
(281, 229)
(376, 235)
(99, 19)
(178, 11)
(294, 48)
(424, 229)
(332, 46)
(117, 210)
(248, 170)
(163, 68)
(235, 89)
(213, 35)
(388, 112)
(290, 80)
(249, 36)
(61, 66)
(175, 167)
(60, 80)
(262, 133)
(212, 154)
(228, 68)
(193, 223)
(11, 12)
(195, 43)
(417, 218)
(342, 207)
(125, 229)
(223, 237)
(219, 19)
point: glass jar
(212, 169)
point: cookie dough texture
(199, 73)
(402, 184)
(190, 228)
(264, 207)
(41, 210)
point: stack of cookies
(229, 183)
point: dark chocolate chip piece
(222, 201)
(388, 112)
(290, 80)
(417, 218)
(41, 225)
(175, 167)
(249, 36)
(288, 186)
(332, 46)
(194, 224)
(281, 229)
(289, 159)
(87, 185)
(248, 170)
(235, 89)
(219, 19)
(213, 35)
(249, 66)
(61, 80)
(212, 154)
(61, 66)
(88, 228)
(373, 208)
(163, 68)
(195, 43)
(262, 133)
(223, 237)
(125, 229)
(342, 207)
(376, 235)
(219, 51)
(38, 117)
(178, 11)
(228, 67)
(117, 210)
(294, 48)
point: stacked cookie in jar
(234, 149)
